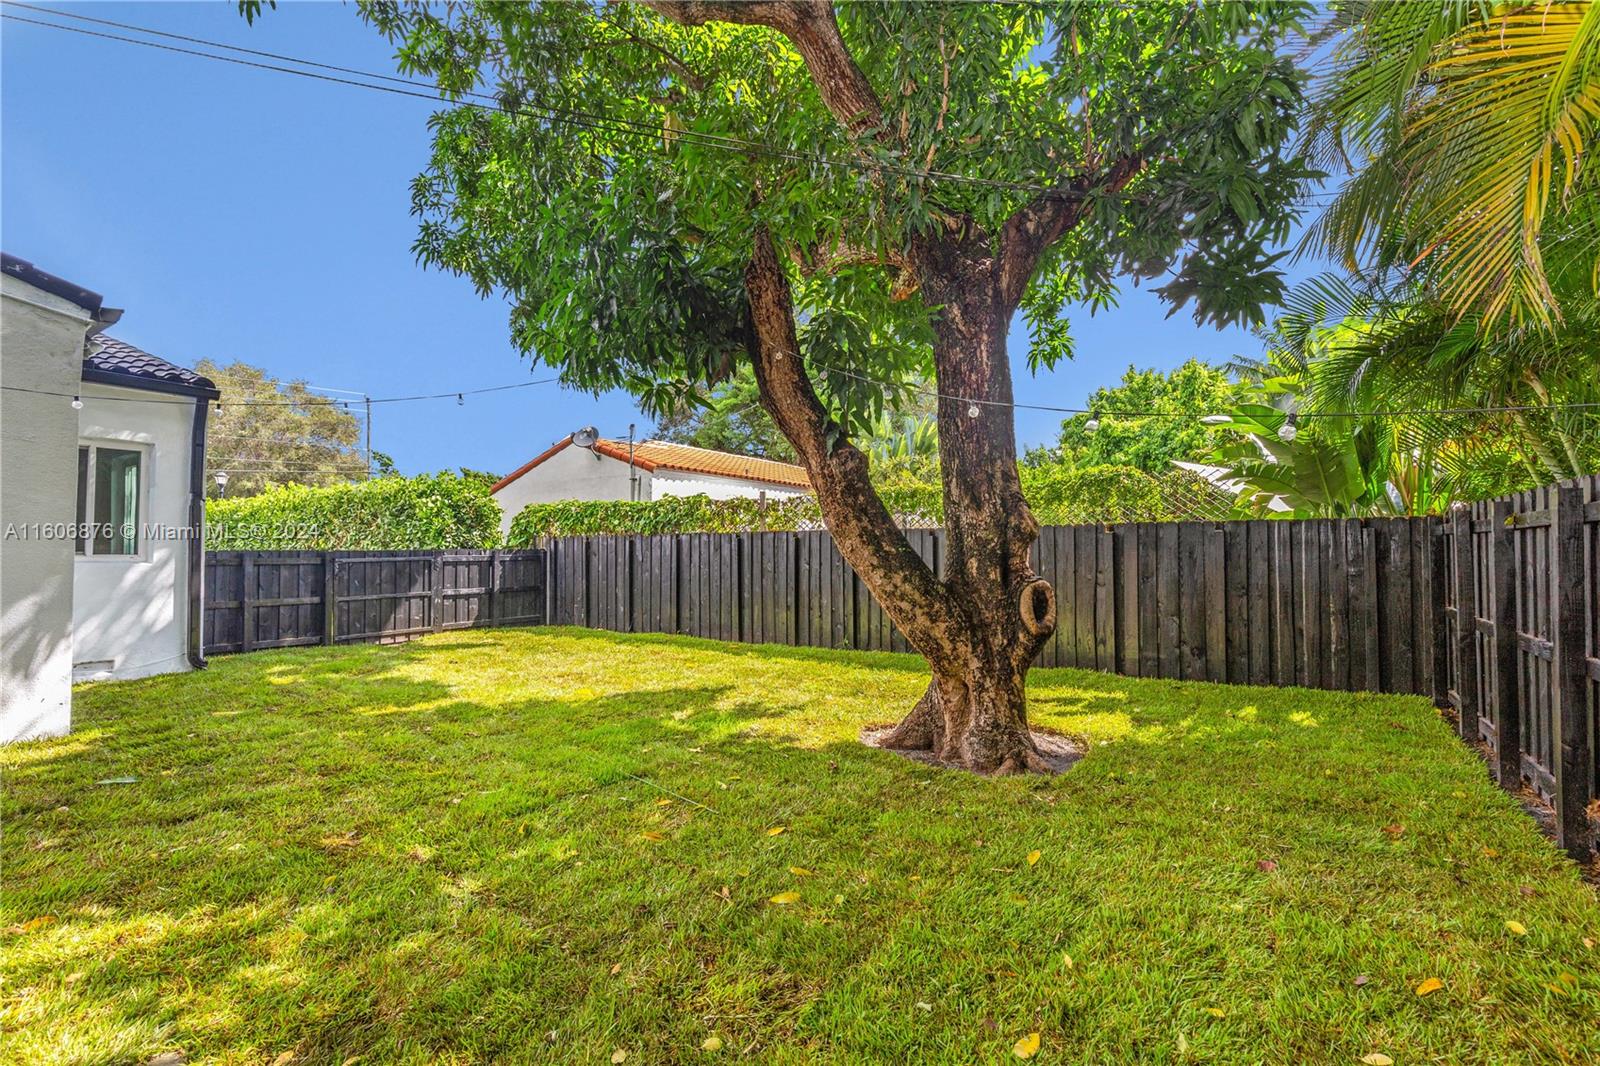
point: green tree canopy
(1150, 420)
(268, 432)
(852, 200)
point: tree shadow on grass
(337, 852)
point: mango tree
(848, 201)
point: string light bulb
(77, 403)
(1091, 425)
(461, 400)
(1289, 430)
(972, 410)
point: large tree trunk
(980, 627)
(975, 710)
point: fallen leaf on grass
(783, 899)
(1490, 853)
(1377, 1058)
(800, 871)
(284, 1059)
(1067, 959)
(31, 924)
(1033, 857)
(1588, 942)
(1394, 830)
(1216, 1012)
(1266, 866)
(1019, 900)
(652, 836)
(1517, 927)
(711, 1043)
(616, 968)
(1027, 1047)
(348, 840)
(775, 830)
(1360, 980)
(118, 781)
(663, 803)
(1429, 986)
(618, 1056)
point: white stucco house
(648, 470)
(102, 460)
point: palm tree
(1466, 129)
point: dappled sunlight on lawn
(450, 850)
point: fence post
(1507, 712)
(494, 587)
(1466, 678)
(330, 611)
(1569, 672)
(247, 613)
(436, 604)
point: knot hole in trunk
(1037, 605)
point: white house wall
(683, 483)
(573, 473)
(130, 613)
(41, 348)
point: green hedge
(384, 514)
(671, 514)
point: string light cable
(454, 394)
(1099, 413)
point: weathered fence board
(257, 600)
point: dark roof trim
(135, 381)
(41, 279)
(114, 362)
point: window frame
(85, 500)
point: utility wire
(455, 394)
(587, 120)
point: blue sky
(245, 214)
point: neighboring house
(102, 496)
(605, 470)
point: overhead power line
(399, 86)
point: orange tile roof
(651, 455)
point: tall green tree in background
(848, 201)
(1173, 430)
(268, 432)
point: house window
(110, 485)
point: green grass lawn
(551, 845)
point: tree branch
(1047, 217)
(829, 259)
(866, 533)
(696, 81)
(811, 27)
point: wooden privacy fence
(260, 600)
(1523, 603)
(1341, 604)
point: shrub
(670, 514)
(430, 511)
